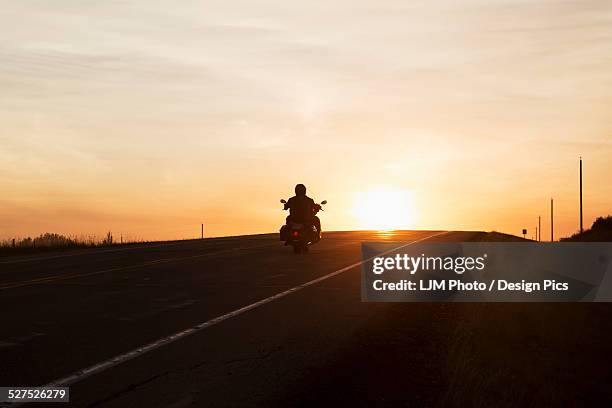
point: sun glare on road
(384, 209)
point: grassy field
(57, 242)
(532, 354)
(600, 231)
(473, 355)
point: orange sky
(147, 117)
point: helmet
(300, 190)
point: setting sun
(384, 209)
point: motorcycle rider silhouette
(302, 209)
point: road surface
(138, 326)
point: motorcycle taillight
(296, 233)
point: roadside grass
(528, 354)
(531, 354)
(600, 231)
(58, 242)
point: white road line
(57, 278)
(105, 365)
(93, 251)
(128, 247)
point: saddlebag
(285, 235)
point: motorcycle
(301, 235)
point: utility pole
(581, 195)
(539, 228)
(552, 227)
(202, 231)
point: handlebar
(318, 206)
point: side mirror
(283, 201)
(324, 202)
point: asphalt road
(317, 345)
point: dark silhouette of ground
(600, 231)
